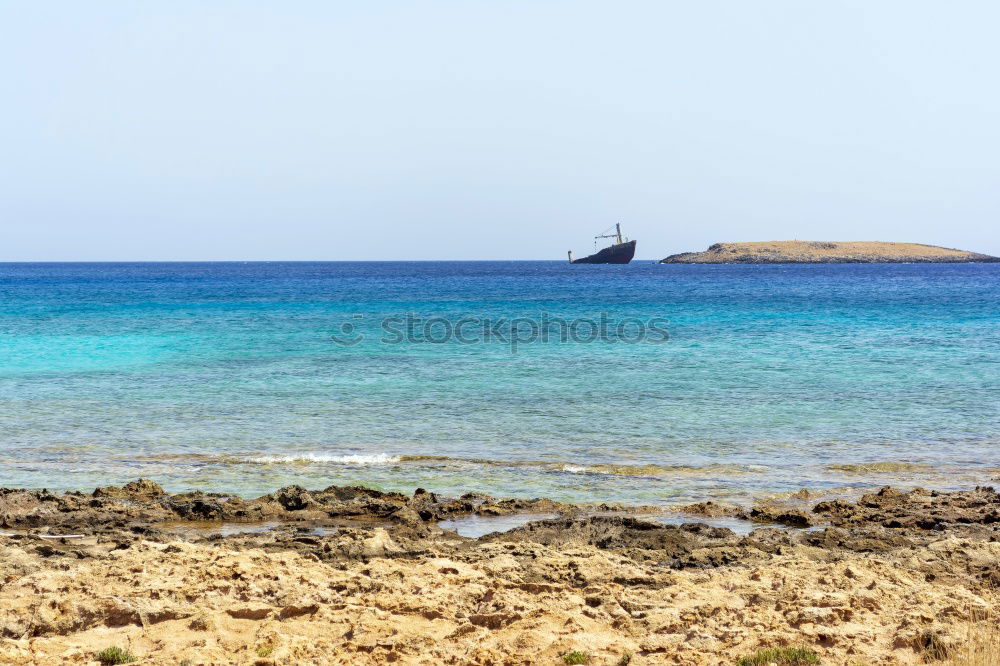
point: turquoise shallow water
(225, 377)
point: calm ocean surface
(224, 377)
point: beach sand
(356, 576)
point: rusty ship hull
(619, 253)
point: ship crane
(617, 235)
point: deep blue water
(224, 376)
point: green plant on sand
(785, 656)
(116, 655)
(576, 657)
(625, 659)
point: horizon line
(279, 261)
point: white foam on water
(350, 459)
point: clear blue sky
(465, 129)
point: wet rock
(197, 509)
(294, 498)
(140, 488)
(916, 510)
(717, 556)
(422, 495)
(714, 510)
(867, 540)
(637, 538)
(780, 515)
(143, 487)
(406, 516)
(334, 494)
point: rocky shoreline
(352, 575)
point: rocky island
(827, 252)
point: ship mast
(617, 235)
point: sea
(641, 384)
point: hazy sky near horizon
(467, 129)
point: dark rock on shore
(144, 502)
(365, 522)
(640, 539)
(138, 489)
(918, 509)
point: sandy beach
(357, 576)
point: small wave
(883, 467)
(568, 467)
(446, 462)
(647, 471)
(305, 458)
(636, 471)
